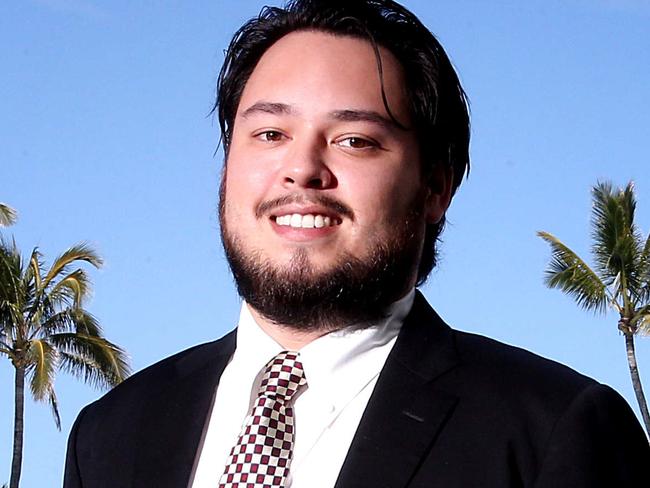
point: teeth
(308, 221)
(296, 220)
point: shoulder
(522, 385)
(160, 376)
(572, 421)
(514, 407)
(487, 366)
(513, 388)
(154, 414)
(511, 366)
(525, 384)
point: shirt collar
(355, 348)
(356, 354)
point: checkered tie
(262, 455)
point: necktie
(262, 454)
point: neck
(292, 338)
(288, 337)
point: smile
(307, 221)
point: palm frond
(43, 362)
(644, 272)
(86, 323)
(645, 254)
(10, 272)
(16, 328)
(628, 202)
(35, 269)
(32, 280)
(640, 321)
(616, 241)
(569, 273)
(78, 252)
(606, 226)
(110, 360)
(643, 325)
(72, 289)
(61, 321)
(8, 215)
(84, 369)
(9, 285)
(70, 320)
(54, 406)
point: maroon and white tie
(262, 454)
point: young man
(346, 133)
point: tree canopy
(619, 278)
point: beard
(353, 292)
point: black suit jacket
(450, 409)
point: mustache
(325, 201)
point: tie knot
(283, 376)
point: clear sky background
(105, 137)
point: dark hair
(438, 104)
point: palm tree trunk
(636, 380)
(19, 414)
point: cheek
(237, 195)
(240, 173)
(382, 196)
(246, 182)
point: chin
(308, 295)
(326, 288)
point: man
(346, 134)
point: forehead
(315, 70)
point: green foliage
(620, 278)
(573, 276)
(8, 215)
(44, 328)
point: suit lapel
(405, 412)
(174, 419)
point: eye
(269, 136)
(356, 142)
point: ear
(439, 193)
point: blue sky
(105, 137)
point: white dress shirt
(341, 370)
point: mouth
(306, 221)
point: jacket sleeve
(597, 442)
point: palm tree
(7, 215)
(44, 328)
(620, 278)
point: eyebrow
(365, 116)
(268, 108)
(345, 115)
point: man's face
(318, 177)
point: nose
(305, 167)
